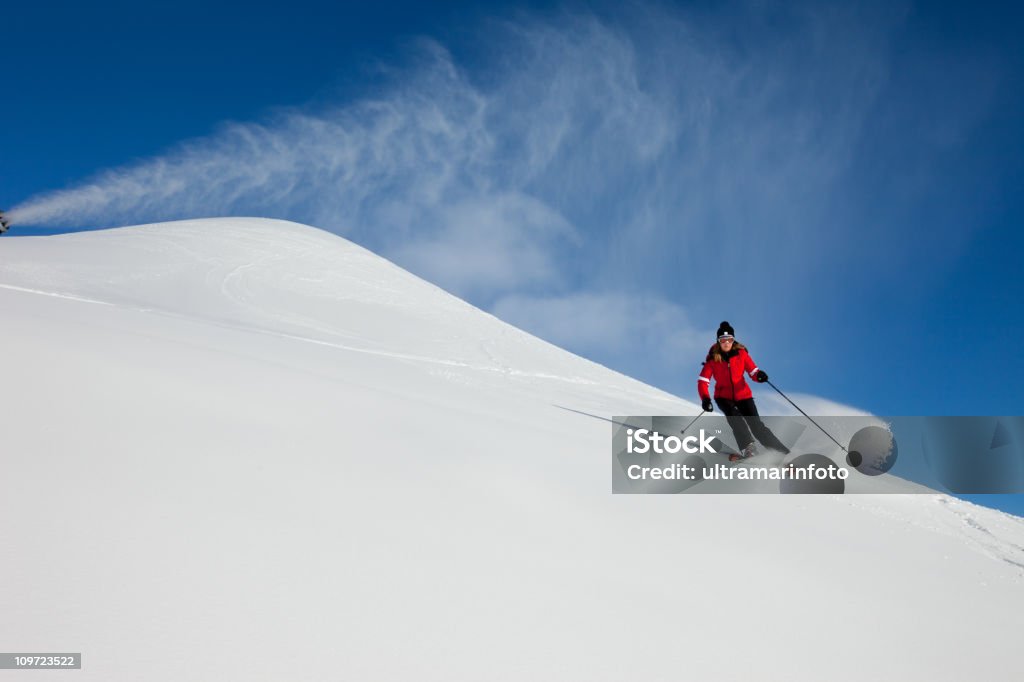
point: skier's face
(726, 344)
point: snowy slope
(248, 449)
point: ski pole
(808, 416)
(699, 415)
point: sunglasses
(725, 338)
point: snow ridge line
(69, 297)
(320, 342)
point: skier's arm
(704, 381)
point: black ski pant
(743, 419)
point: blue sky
(840, 181)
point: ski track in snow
(991, 537)
(504, 370)
(957, 519)
(68, 297)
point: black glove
(707, 405)
(761, 376)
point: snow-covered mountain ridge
(292, 280)
(248, 449)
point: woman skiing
(726, 362)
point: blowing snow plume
(657, 127)
(573, 158)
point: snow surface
(244, 449)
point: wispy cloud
(640, 330)
(676, 155)
(660, 128)
(504, 242)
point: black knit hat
(725, 330)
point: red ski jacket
(727, 370)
